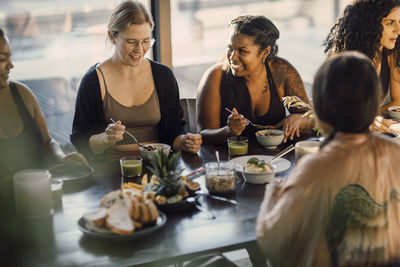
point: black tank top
(24, 151)
(385, 74)
(235, 94)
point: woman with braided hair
(372, 27)
(251, 80)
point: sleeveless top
(141, 121)
(235, 94)
(25, 151)
(385, 79)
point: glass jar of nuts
(220, 177)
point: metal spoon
(217, 156)
(134, 138)
(282, 153)
(199, 207)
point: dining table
(188, 233)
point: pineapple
(167, 174)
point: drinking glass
(305, 147)
(238, 145)
(32, 193)
(131, 166)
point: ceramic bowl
(147, 154)
(270, 138)
(259, 177)
(394, 112)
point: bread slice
(119, 221)
(97, 217)
(153, 211)
(109, 199)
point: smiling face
(243, 55)
(127, 52)
(5, 62)
(391, 28)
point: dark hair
(346, 93)
(360, 28)
(1, 33)
(264, 31)
(128, 13)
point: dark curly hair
(360, 28)
(264, 31)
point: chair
(189, 111)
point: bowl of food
(394, 112)
(270, 138)
(149, 150)
(258, 171)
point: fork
(134, 138)
(259, 126)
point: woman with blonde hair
(141, 95)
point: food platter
(103, 232)
(280, 163)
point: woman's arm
(209, 107)
(52, 149)
(293, 86)
(394, 86)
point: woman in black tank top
(251, 81)
(24, 138)
(372, 27)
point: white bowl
(270, 138)
(147, 154)
(259, 177)
(394, 112)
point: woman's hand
(114, 133)
(191, 142)
(75, 157)
(291, 126)
(236, 123)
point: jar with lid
(220, 177)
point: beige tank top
(141, 121)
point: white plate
(281, 164)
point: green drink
(131, 166)
(238, 145)
(236, 149)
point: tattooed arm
(290, 84)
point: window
(199, 33)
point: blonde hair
(128, 13)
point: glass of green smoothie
(238, 145)
(131, 166)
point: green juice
(131, 168)
(236, 149)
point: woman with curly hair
(251, 80)
(372, 27)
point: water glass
(306, 147)
(32, 193)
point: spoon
(134, 138)
(253, 124)
(282, 153)
(193, 201)
(217, 156)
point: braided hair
(264, 31)
(346, 93)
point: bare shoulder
(27, 96)
(211, 79)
